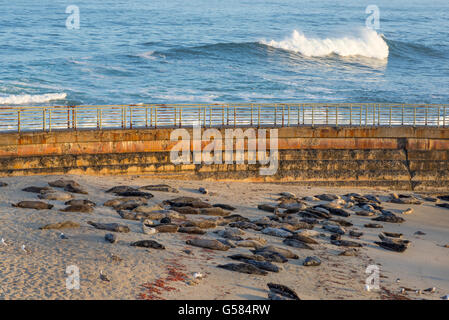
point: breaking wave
(367, 44)
(29, 99)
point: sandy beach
(146, 273)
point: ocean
(209, 51)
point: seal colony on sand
(267, 233)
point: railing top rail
(221, 105)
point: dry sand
(41, 274)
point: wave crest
(369, 44)
(28, 98)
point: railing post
(123, 117)
(336, 115)
(414, 116)
(327, 115)
(366, 115)
(425, 115)
(275, 115)
(313, 109)
(288, 116)
(18, 120)
(235, 114)
(438, 116)
(303, 115)
(444, 116)
(299, 113)
(350, 115)
(75, 117)
(390, 113)
(146, 117)
(155, 116)
(174, 122)
(101, 118)
(283, 107)
(227, 115)
(130, 117)
(251, 122)
(210, 116)
(402, 116)
(222, 115)
(361, 111)
(43, 120)
(49, 120)
(180, 116)
(376, 106)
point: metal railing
(220, 115)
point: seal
(246, 256)
(266, 207)
(56, 195)
(167, 228)
(187, 210)
(34, 189)
(83, 208)
(187, 202)
(224, 206)
(111, 238)
(373, 225)
(292, 242)
(312, 261)
(283, 291)
(334, 228)
(60, 225)
(285, 252)
(208, 243)
(214, 211)
(120, 201)
(148, 244)
(346, 243)
(270, 256)
(245, 225)
(303, 238)
(355, 234)
(119, 189)
(392, 218)
(160, 187)
(203, 224)
(78, 202)
(115, 227)
(263, 265)
(133, 193)
(75, 188)
(37, 205)
(61, 183)
(276, 232)
(243, 268)
(191, 230)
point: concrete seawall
(390, 157)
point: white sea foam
(367, 44)
(147, 55)
(174, 97)
(29, 99)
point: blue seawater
(211, 51)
